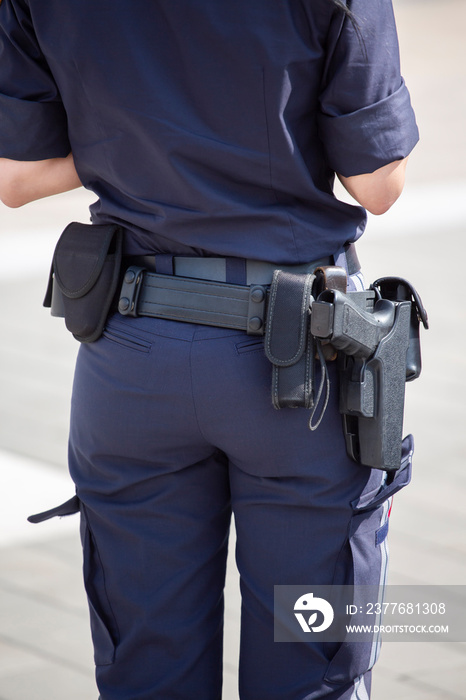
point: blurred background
(45, 651)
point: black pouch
(288, 342)
(84, 277)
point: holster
(84, 277)
(288, 342)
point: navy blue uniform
(210, 129)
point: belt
(197, 292)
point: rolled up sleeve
(33, 122)
(366, 119)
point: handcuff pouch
(84, 277)
(288, 342)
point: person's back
(213, 128)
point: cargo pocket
(104, 628)
(103, 624)
(363, 562)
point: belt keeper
(130, 290)
(256, 310)
(330, 277)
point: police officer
(210, 130)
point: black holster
(84, 277)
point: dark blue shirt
(209, 127)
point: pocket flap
(80, 256)
(395, 482)
(68, 508)
(288, 317)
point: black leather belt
(197, 292)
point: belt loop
(235, 271)
(341, 260)
(347, 258)
(164, 264)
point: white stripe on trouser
(376, 644)
(356, 282)
(360, 690)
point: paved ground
(45, 652)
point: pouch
(84, 277)
(288, 342)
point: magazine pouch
(84, 277)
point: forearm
(22, 182)
(377, 191)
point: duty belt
(198, 292)
(376, 332)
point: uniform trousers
(172, 430)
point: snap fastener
(257, 295)
(123, 304)
(255, 324)
(130, 276)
